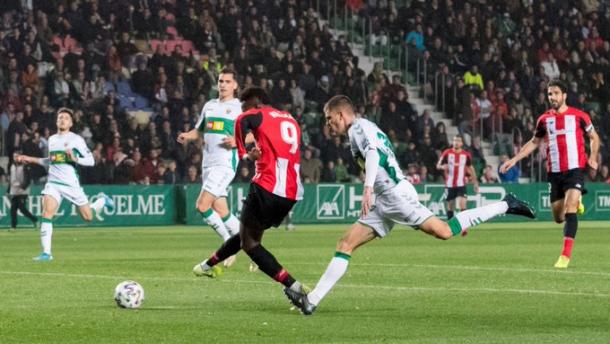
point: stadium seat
(123, 88)
(155, 43)
(140, 102)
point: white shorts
(397, 205)
(216, 180)
(74, 194)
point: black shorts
(453, 193)
(562, 181)
(263, 209)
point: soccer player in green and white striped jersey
(219, 163)
(66, 150)
(388, 198)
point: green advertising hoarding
(340, 203)
(136, 205)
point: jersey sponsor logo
(330, 202)
(276, 114)
(58, 157)
(215, 125)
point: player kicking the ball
(396, 200)
(274, 190)
(66, 150)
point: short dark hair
(255, 92)
(458, 136)
(337, 101)
(66, 110)
(559, 84)
(227, 70)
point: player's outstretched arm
(370, 172)
(594, 144)
(442, 164)
(31, 160)
(188, 136)
(527, 149)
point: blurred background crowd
(138, 72)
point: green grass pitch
(497, 285)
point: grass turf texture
(497, 285)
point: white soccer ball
(129, 294)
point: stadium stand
(140, 71)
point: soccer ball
(129, 294)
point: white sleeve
(201, 120)
(85, 158)
(371, 165)
(364, 140)
(44, 162)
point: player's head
(557, 93)
(64, 119)
(227, 84)
(339, 114)
(458, 142)
(253, 97)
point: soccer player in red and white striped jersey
(275, 188)
(457, 164)
(563, 129)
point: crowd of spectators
(497, 56)
(138, 73)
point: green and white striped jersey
(364, 135)
(217, 121)
(62, 170)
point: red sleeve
(239, 142)
(247, 122)
(585, 122)
(468, 159)
(540, 131)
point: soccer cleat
(290, 227)
(43, 257)
(518, 207)
(299, 300)
(562, 262)
(253, 267)
(212, 272)
(229, 261)
(108, 202)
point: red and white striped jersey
(455, 174)
(564, 137)
(278, 136)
